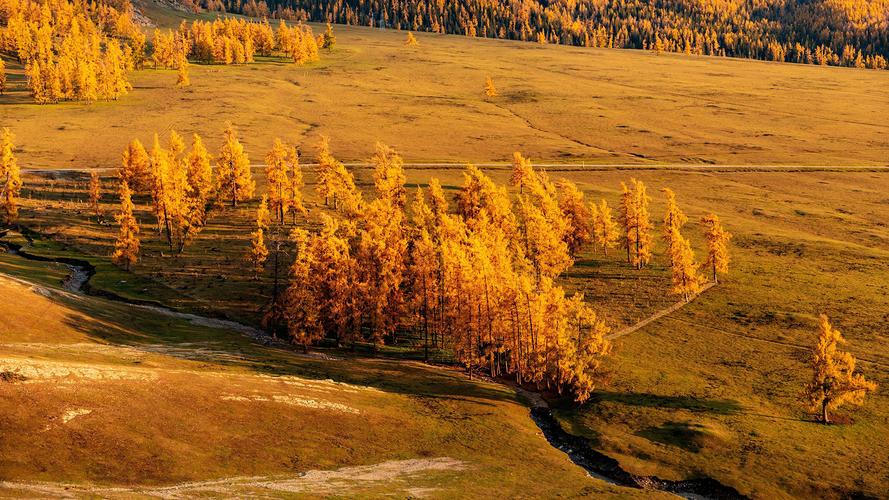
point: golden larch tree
(490, 89)
(135, 167)
(276, 167)
(182, 79)
(126, 247)
(606, 229)
(263, 215)
(642, 239)
(294, 195)
(686, 281)
(10, 177)
(717, 246)
(411, 40)
(234, 179)
(628, 219)
(834, 381)
(576, 212)
(95, 192)
(305, 298)
(522, 172)
(258, 253)
(199, 171)
(2, 76)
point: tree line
(834, 32)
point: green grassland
(711, 390)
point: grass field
(557, 104)
(711, 390)
(117, 396)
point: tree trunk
(825, 418)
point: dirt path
(658, 315)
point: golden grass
(563, 104)
(117, 396)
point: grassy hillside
(109, 400)
(713, 389)
(557, 103)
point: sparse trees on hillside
(10, 177)
(126, 247)
(686, 281)
(834, 380)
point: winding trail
(578, 449)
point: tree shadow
(689, 403)
(689, 436)
(127, 326)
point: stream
(578, 449)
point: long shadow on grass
(689, 403)
(177, 338)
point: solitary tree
(717, 245)
(834, 381)
(234, 179)
(328, 39)
(490, 89)
(411, 40)
(126, 248)
(95, 192)
(10, 177)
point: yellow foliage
(234, 180)
(834, 381)
(10, 177)
(717, 245)
(126, 247)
